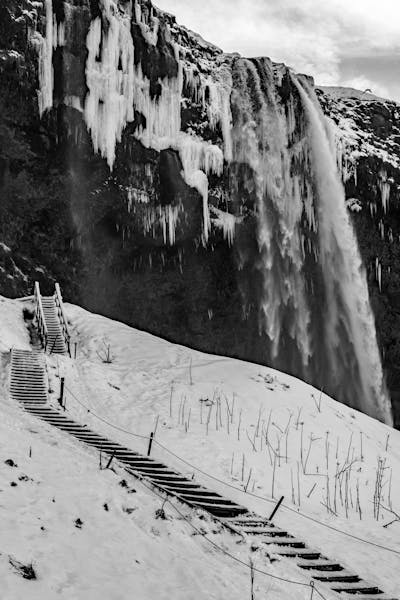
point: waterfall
(306, 278)
(257, 130)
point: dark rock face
(132, 242)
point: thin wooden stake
(252, 578)
(110, 461)
(170, 399)
(248, 480)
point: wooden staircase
(28, 383)
(318, 567)
(51, 321)
(55, 341)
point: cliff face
(180, 189)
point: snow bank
(266, 431)
(89, 537)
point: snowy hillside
(234, 426)
(347, 92)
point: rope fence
(229, 485)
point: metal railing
(62, 317)
(39, 315)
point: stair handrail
(40, 318)
(62, 317)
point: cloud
(312, 36)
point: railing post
(61, 398)
(276, 508)
(150, 444)
(39, 313)
(62, 317)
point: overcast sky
(340, 42)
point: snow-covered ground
(349, 92)
(235, 426)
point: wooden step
(258, 530)
(355, 589)
(344, 596)
(336, 578)
(284, 541)
(304, 553)
(320, 565)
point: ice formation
(55, 36)
(227, 222)
(117, 87)
(384, 186)
(378, 273)
(164, 218)
(110, 79)
(149, 32)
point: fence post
(276, 508)
(150, 444)
(61, 398)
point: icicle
(378, 270)
(163, 217)
(385, 188)
(58, 32)
(55, 36)
(382, 229)
(110, 80)
(227, 222)
(46, 72)
(218, 105)
(74, 102)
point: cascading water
(306, 277)
(349, 318)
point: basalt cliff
(202, 196)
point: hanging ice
(55, 36)
(110, 79)
(118, 87)
(385, 188)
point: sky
(353, 43)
